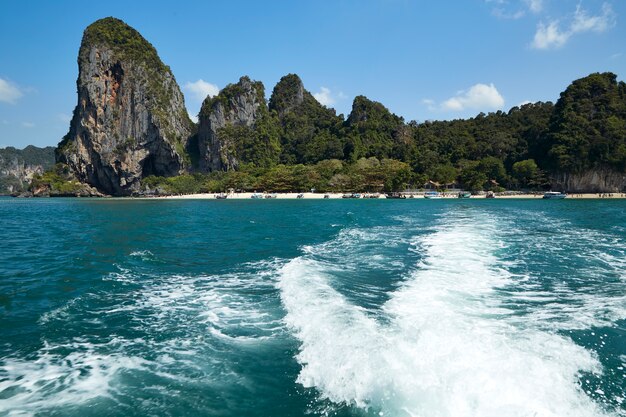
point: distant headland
(130, 134)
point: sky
(424, 60)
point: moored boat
(396, 196)
(464, 194)
(554, 195)
(432, 195)
(221, 196)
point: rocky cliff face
(602, 180)
(130, 121)
(228, 122)
(17, 167)
(288, 95)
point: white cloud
(523, 103)
(9, 93)
(201, 89)
(601, 23)
(477, 97)
(194, 118)
(535, 6)
(28, 125)
(507, 9)
(324, 97)
(551, 36)
(429, 103)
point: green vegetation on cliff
(124, 41)
(516, 149)
(309, 132)
(588, 126)
(57, 181)
(250, 138)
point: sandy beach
(282, 196)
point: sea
(429, 308)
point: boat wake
(443, 344)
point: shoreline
(334, 196)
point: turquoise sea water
(319, 308)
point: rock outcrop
(235, 127)
(377, 129)
(600, 180)
(309, 131)
(130, 121)
(17, 167)
(288, 95)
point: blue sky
(422, 59)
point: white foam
(142, 253)
(55, 380)
(174, 327)
(446, 346)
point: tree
(524, 171)
(493, 168)
(472, 177)
(444, 174)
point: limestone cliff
(130, 120)
(599, 180)
(235, 127)
(288, 95)
(18, 166)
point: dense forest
(375, 150)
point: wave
(59, 379)
(444, 344)
(161, 332)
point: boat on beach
(464, 194)
(256, 195)
(221, 196)
(554, 195)
(396, 196)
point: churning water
(291, 308)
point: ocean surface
(431, 308)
